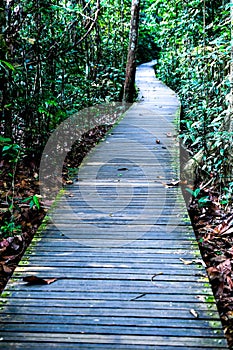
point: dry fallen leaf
(201, 298)
(6, 269)
(69, 182)
(229, 282)
(38, 280)
(213, 272)
(225, 267)
(199, 262)
(218, 259)
(194, 313)
(186, 262)
(196, 261)
(173, 183)
(230, 315)
(2, 251)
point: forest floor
(213, 224)
(27, 210)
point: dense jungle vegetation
(195, 41)
(57, 57)
(196, 52)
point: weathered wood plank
(120, 286)
(112, 312)
(113, 321)
(114, 339)
(24, 295)
(65, 345)
(136, 304)
(108, 275)
(117, 267)
(118, 330)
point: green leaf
(36, 201)
(7, 64)
(6, 148)
(194, 193)
(31, 204)
(26, 199)
(204, 201)
(4, 140)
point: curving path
(121, 245)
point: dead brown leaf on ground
(32, 280)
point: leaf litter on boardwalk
(32, 280)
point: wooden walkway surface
(118, 244)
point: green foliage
(148, 48)
(33, 201)
(9, 228)
(4, 141)
(58, 57)
(6, 65)
(195, 60)
(195, 192)
(11, 151)
(204, 201)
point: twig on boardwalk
(138, 297)
(157, 274)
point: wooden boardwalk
(119, 244)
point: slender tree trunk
(230, 108)
(122, 31)
(129, 87)
(5, 75)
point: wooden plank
(118, 330)
(98, 257)
(108, 296)
(138, 303)
(120, 267)
(130, 252)
(100, 253)
(63, 345)
(69, 244)
(112, 339)
(112, 312)
(117, 267)
(189, 324)
(139, 287)
(79, 274)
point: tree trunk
(230, 107)
(5, 73)
(129, 87)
